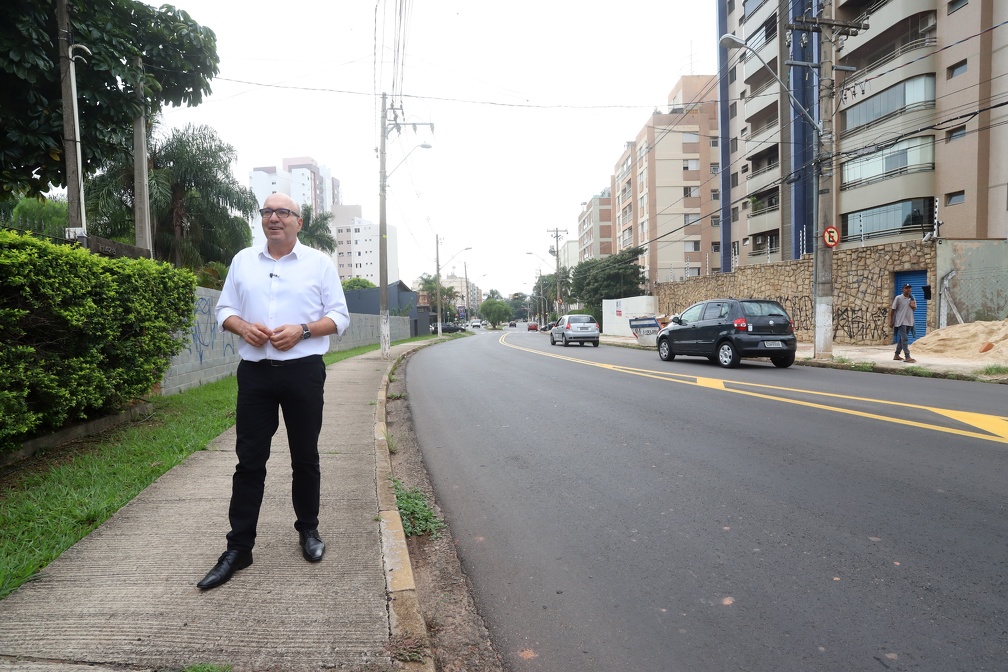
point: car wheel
(665, 350)
(727, 355)
(552, 340)
(595, 343)
(783, 361)
(565, 343)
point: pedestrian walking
(283, 300)
(901, 317)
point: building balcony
(761, 221)
(763, 177)
(759, 99)
(757, 11)
(768, 51)
(884, 15)
(762, 138)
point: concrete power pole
(71, 130)
(141, 197)
(556, 252)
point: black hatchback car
(726, 330)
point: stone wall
(863, 289)
(211, 354)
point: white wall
(616, 313)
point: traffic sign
(831, 236)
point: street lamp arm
(387, 174)
(729, 42)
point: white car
(476, 324)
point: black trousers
(263, 389)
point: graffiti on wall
(868, 324)
(206, 338)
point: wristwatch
(305, 332)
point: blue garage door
(917, 280)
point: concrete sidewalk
(125, 596)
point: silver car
(575, 329)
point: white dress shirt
(297, 288)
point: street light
(386, 339)
(822, 292)
(437, 277)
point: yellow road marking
(995, 427)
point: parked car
(532, 326)
(726, 330)
(447, 328)
(575, 329)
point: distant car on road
(726, 330)
(575, 329)
(532, 326)
(512, 323)
(476, 324)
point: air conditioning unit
(929, 22)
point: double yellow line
(991, 427)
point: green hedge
(81, 335)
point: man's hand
(286, 337)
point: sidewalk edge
(407, 629)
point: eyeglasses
(283, 213)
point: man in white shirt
(283, 300)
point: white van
(476, 324)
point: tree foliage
(199, 212)
(495, 311)
(609, 278)
(41, 215)
(357, 283)
(179, 60)
(315, 230)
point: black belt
(288, 362)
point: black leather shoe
(312, 546)
(229, 563)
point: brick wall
(863, 289)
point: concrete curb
(408, 630)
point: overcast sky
(531, 101)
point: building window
(690, 136)
(692, 245)
(690, 218)
(957, 69)
(715, 168)
(734, 180)
(914, 92)
(734, 145)
(957, 5)
(731, 6)
(734, 214)
(715, 194)
(715, 247)
(732, 110)
(955, 133)
(955, 198)
(715, 220)
(713, 142)
(731, 75)
(904, 157)
(894, 218)
(691, 164)
(691, 192)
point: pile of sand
(965, 341)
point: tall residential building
(912, 123)
(665, 186)
(302, 179)
(594, 231)
(357, 249)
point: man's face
(283, 230)
(906, 291)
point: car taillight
(567, 327)
(741, 324)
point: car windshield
(762, 308)
(581, 319)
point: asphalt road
(615, 512)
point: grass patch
(53, 499)
(994, 370)
(390, 444)
(418, 517)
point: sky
(531, 103)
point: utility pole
(71, 128)
(468, 302)
(822, 199)
(437, 280)
(556, 253)
(141, 197)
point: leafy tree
(46, 216)
(609, 278)
(316, 231)
(519, 303)
(194, 199)
(179, 60)
(449, 295)
(358, 283)
(495, 311)
(212, 275)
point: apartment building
(666, 190)
(594, 230)
(357, 249)
(909, 103)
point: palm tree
(316, 231)
(199, 212)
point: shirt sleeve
(229, 303)
(333, 300)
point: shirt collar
(295, 251)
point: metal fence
(975, 294)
